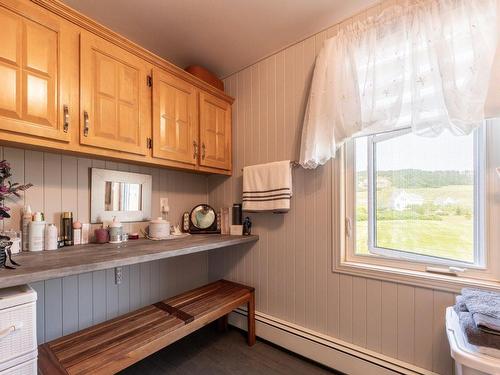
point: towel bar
(293, 164)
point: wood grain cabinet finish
(31, 75)
(175, 119)
(114, 95)
(215, 132)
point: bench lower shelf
(118, 343)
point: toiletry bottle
(115, 231)
(85, 233)
(51, 237)
(37, 232)
(67, 228)
(77, 233)
(25, 227)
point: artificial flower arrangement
(7, 189)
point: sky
(409, 151)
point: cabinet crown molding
(75, 17)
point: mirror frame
(99, 177)
(191, 217)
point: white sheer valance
(425, 65)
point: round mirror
(203, 216)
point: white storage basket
(24, 368)
(17, 328)
(469, 359)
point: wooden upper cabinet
(114, 97)
(215, 132)
(31, 75)
(175, 119)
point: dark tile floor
(210, 352)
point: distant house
(448, 201)
(401, 200)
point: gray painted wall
(62, 184)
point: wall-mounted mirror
(122, 194)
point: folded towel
(267, 187)
(484, 307)
(460, 305)
(474, 335)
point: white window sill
(410, 277)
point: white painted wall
(291, 265)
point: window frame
(479, 148)
(346, 261)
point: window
(418, 198)
(411, 206)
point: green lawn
(451, 236)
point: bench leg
(251, 319)
(222, 323)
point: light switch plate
(164, 208)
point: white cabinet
(18, 346)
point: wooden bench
(118, 343)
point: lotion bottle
(25, 227)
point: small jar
(101, 235)
(115, 231)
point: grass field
(445, 231)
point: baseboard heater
(323, 349)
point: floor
(210, 352)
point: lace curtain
(425, 65)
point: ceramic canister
(115, 231)
(51, 237)
(159, 228)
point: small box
(85, 234)
(236, 230)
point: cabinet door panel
(215, 132)
(114, 95)
(29, 72)
(175, 130)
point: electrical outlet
(118, 275)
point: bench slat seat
(118, 343)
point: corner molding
(326, 350)
(86, 23)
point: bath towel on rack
(267, 187)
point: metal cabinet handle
(195, 150)
(85, 124)
(203, 150)
(65, 118)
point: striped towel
(267, 187)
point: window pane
(424, 195)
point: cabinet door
(175, 119)
(215, 132)
(114, 96)
(30, 75)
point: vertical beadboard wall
(291, 265)
(75, 302)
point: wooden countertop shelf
(44, 265)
